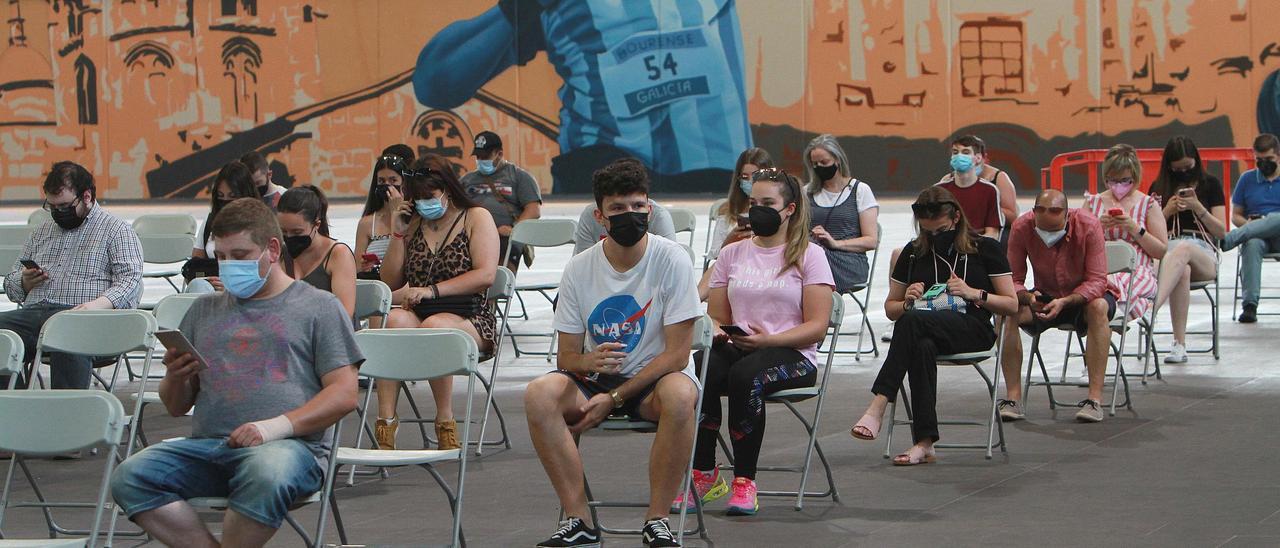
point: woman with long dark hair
(313, 256)
(1195, 212)
(373, 231)
(442, 259)
(942, 294)
(233, 181)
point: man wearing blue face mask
(280, 369)
(1068, 254)
(509, 193)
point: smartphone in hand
(370, 257)
(934, 291)
(175, 340)
(734, 330)
(1115, 212)
(28, 263)
(1044, 299)
(1187, 192)
(744, 221)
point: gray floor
(1186, 466)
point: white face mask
(1050, 237)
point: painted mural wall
(154, 96)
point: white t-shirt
(201, 244)
(866, 198)
(629, 307)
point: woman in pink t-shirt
(772, 295)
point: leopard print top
(423, 268)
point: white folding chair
(11, 353)
(55, 422)
(373, 300)
(685, 220)
(38, 217)
(789, 399)
(500, 300)
(396, 355)
(169, 313)
(165, 249)
(14, 235)
(1237, 292)
(992, 381)
(861, 295)
(702, 338)
(1121, 257)
(165, 223)
(100, 333)
(713, 223)
(539, 233)
(8, 259)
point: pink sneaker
(710, 487)
(743, 502)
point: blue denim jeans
(1255, 238)
(260, 483)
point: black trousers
(745, 377)
(919, 336)
(66, 370)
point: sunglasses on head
(392, 161)
(1054, 209)
(930, 210)
(769, 174)
(419, 173)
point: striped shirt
(100, 258)
(1144, 276)
(660, 79)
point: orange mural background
(153, 96)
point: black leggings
(918, 337)
(745, 377)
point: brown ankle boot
(447, 434)
(384, 431)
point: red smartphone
(1115, 212)
(369, 257)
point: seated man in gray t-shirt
(590, 231)
(281, 369)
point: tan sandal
(447, 435)
(867, 432)
(906, 459)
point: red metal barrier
(1052, 176)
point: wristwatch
(1141, 232)
(617, 399)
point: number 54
(655, 72)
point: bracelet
(617, 399)
(435, 292)
(397, 235)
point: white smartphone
(175, 340)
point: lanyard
(950, 264)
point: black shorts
(604, 383)
(1073, 315)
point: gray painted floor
(1186, 467)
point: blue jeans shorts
(260, 483)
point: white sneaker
(1177, 354)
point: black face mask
(66, 217)
(383, 192)
(295, 245)
(1267, 167)
(826, 172)
(942, 241)
(628, 228)
(765, 220)
(1182, 176)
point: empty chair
(684, 220)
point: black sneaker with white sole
(657, 534)
(573, 533)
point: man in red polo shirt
(1068, 255)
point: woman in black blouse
(1195, 211)
(942, 293)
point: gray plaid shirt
(101, 257)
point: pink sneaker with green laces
(710, 486)
(743, 502)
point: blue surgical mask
(430, 209)
(745, 185)
(962, 163)
(486, 167)
(241, 278)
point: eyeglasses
(931, 210)
(769, 174)
(1125, 181)
(61, 207)
(1054, 210)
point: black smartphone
(744, 221)
(1044, 299)
(734, 330)
(28, 263)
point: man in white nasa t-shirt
(625, 317)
